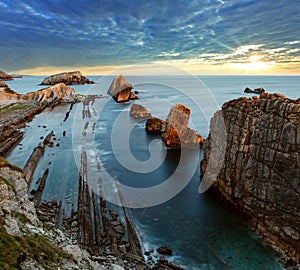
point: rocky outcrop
(3, 84)
(177, 132)
(120, 90)
(155, 125)
(255, 91)
(74, 77)
(260, 172)
(139, 112)
(4, 76)
(58, 92)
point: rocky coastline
(260, 172)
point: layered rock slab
(260, 172)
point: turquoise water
(203, 233)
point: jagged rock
(4, 76)
(260, 173)
(177, 132)
(74, 77)
(139, 111)
(155, 125)
(255, 91)
(120, 90)
(164, 250)
(58, 92)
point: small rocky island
(68, 78)
(260, 174)
(120, 90)
(175, 131)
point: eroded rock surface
(139, 112)
(4, 76)
(260, 173)
(120, 90)
(74, 77)
(177, 132)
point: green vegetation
(9, 91)
(20, 217)
(5, 163)
(15, 249)
(16, 107)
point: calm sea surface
(202, 232)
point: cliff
(4, 76)
(24, 242)
(260, 171)
(74, 77)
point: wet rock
(120, 89)
(164, 250)
(74, 77)
(260, 170)
(255, 91)
(155, 125)
(139, 111)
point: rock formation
(58, 92)
(139, 111)
(255, 91)
(177, 132)
(155, 125)
(3, 84)
(4, 76)
(120, 90)
(260, 172)
(74, 77)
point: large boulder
(139, 112)
(120, 90)
(74, 77)
(177, 132)
(4, 76)
(260, 170)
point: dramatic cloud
(110, 33)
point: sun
(253, 63)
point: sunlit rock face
(4, 76)
(177, 132)
(260, 173)
(74, 77)
(59, 92)
(120, 90)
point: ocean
(160, 185)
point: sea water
(202, 232)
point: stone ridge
(260, 174)
(74, 77)
(4, 76)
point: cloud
(109, 33)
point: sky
(200, 37)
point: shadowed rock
(260, 172)
(155, 125)
(139, 111)
(255, 91)
(74, 77)
(120, 90)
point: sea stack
(68, 78)
(120, 90)
(260, 173)
(177, 132)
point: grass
(20, 217)
(15, 249)
(8, 183)
(9, 91)
(16, 107)
(5, 163)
